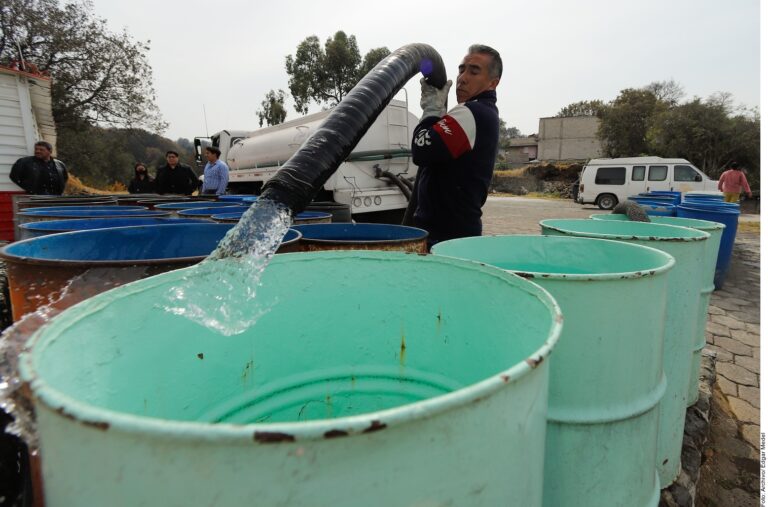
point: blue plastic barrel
(84, 207)
(726, 216)
(676, 196)
(193, 205)
(652, 201)
(210, 211)
(88, 262)
(237, 198)
(35, 229)
(659, 210)
(305, 217)
(40, 216)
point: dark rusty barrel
(351, 236)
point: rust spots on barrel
(99, 425)
(376, 425)
(200, 355)
(335, 433)
(402, 348)
(534, 362)
(272, 437)
(505, 378)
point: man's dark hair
(171, 152)
(496, 67)
(45, 144)
(213, 149)
(734, 165)
(139, 164)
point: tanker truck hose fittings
(396, 180)
(304, 174)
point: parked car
(607, 181)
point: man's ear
(494, 83)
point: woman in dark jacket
(141, 182)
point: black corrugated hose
(304, 174)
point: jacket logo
(444, 127)
(422, 138)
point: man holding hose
(456, 150)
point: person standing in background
(175, 177)
(732, 181)
(141, 182)
(215, 174)
(40, 174)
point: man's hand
(433, 100)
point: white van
(606, 181)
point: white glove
(434, 100)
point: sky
(217, 60)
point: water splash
(221, 292)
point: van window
(657, 173)
(685, 173)
(611, 176)
(638, 173)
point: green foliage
(100, 156)
(272, 108)
(99, 77)
(326, 74)
(709, 134)
(625, 122)
(583, 108)
(654, 120)
(507, 133)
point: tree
(583, 108)
(668, 92)
(625, 122)
(99, 77)
(326, 75)
(272, 108)
(507, 133)
(707, 133)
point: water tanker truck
(374, 180)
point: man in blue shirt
(215, 174)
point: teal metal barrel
(715, 231)
(605, 386)
(424, 385)
(688, 248)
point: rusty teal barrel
(354, 236)
(413, 380)
(605, 386)
(688, 247)
(715, 231)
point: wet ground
(731, 467)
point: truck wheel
(606, 201)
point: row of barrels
(401, 366)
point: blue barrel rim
(6, 252)
(290, 432)
(75, 209)
(172, 206)
(205, 212)
(544, 224)
(86, 214)
(54, 225)
(668, 264)
(418, 234)
(11, 257)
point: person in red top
(731, 182)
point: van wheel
(607, 201)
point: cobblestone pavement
(730, 472)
